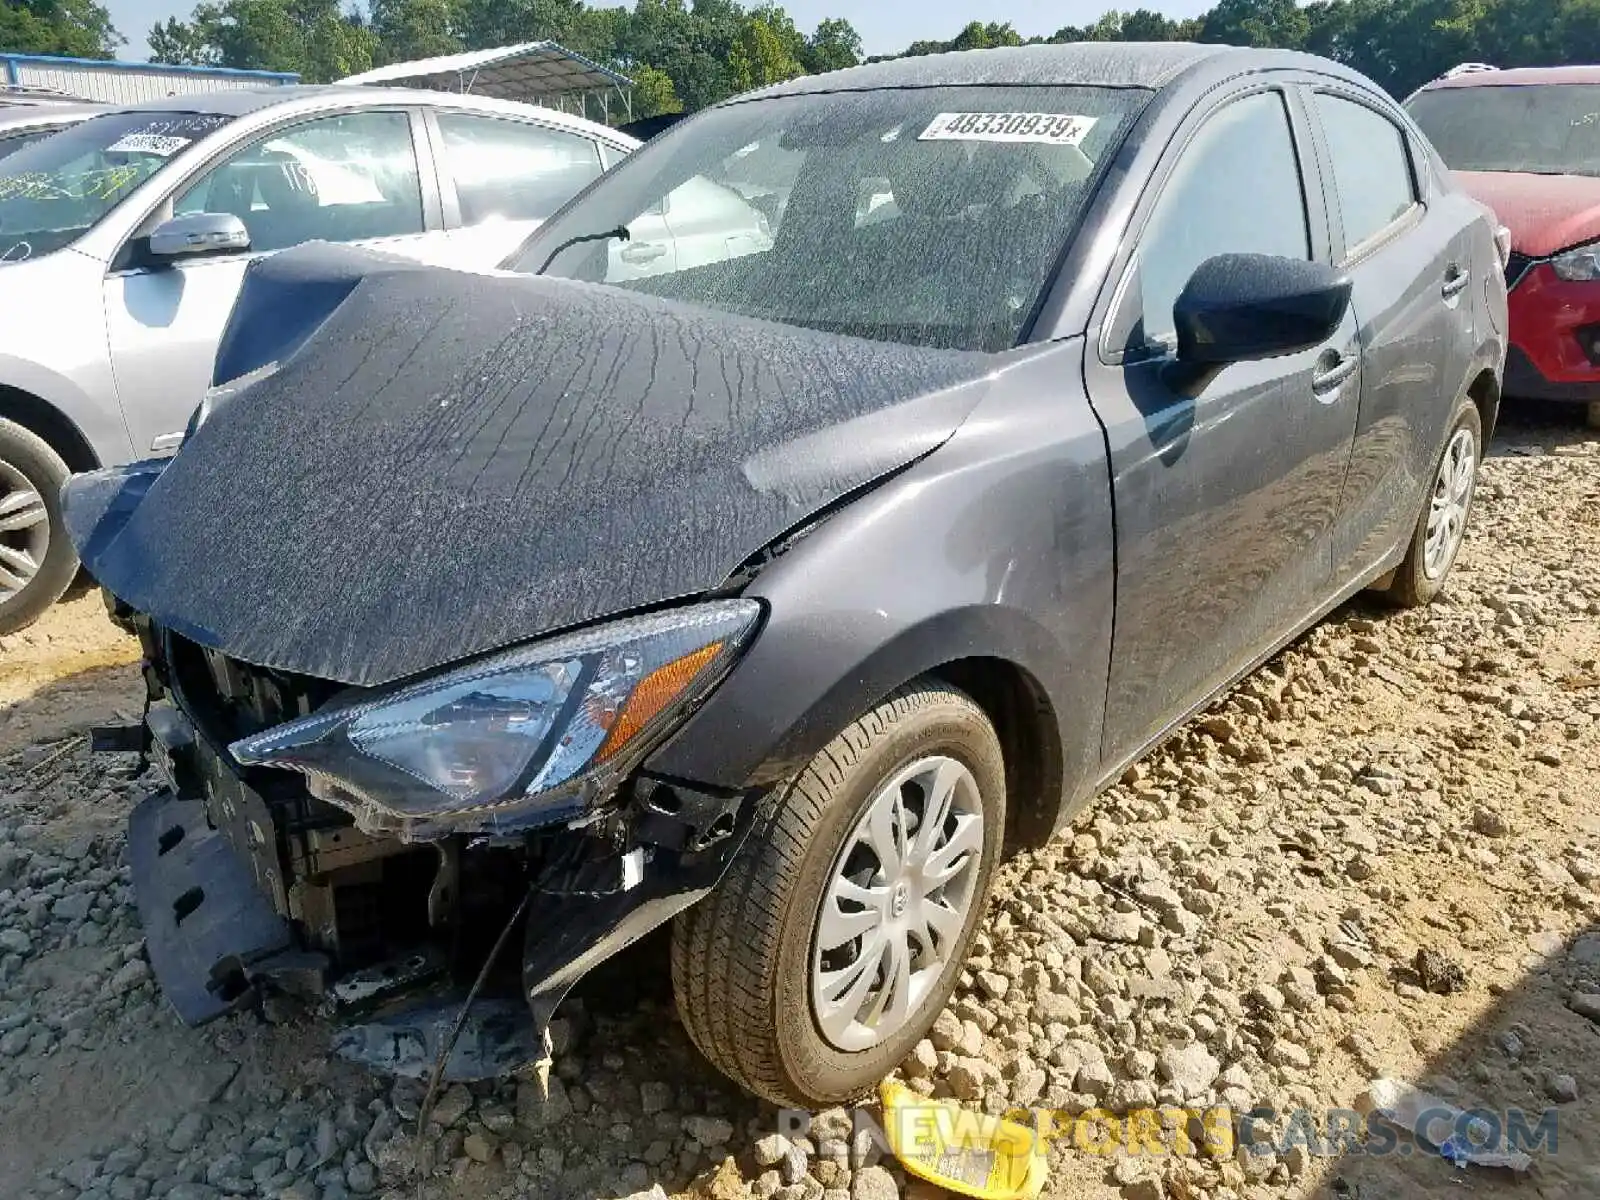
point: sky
(886, 26)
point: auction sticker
(163, 145)
(1050, 129)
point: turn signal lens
(655, 692)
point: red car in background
(1526, 142)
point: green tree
(834, 46)
(980, 36)
(653, 93)
(311, 37)
(1142, 25)
(1256, 23)
(486, 23)
(409, 29)
(76, 28)
(762, 55)
(1400, 44)
(692, 47)
(183, 43)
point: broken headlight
(521, 738)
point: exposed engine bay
(251, 886)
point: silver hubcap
(1447, 512)
(898, 898)
(24, 531)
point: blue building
(116, 82)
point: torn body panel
(248, 886)
(565, 936)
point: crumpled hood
(453, 463)
(1545, 213)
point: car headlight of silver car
(523, 738)
(1581, 264)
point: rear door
(342, 177)
(1407, 250)
(501, 178)
(1225, 483)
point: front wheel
(37, 562)
(840, 929)
(1443, 524)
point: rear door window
(514, 170)
(1371, 167)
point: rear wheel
(839, 931)
(1436, 542)
(36, 560)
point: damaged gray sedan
(837, 494)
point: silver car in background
(28, 116)
(124, 240)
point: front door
(1225, 484)
(349, 177)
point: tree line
(686, 54)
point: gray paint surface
(479, 459)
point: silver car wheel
(898, 896)
(1452, 495)
(24, 531)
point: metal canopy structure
(532, 72)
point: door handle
(1455, 282)
(1333, 369)
(642, 252)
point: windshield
(1544, 129)
(55, 190)
(932, 217)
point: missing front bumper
(566, 935)
(213, 886)
(206, 923)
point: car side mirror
(195, 234)
(1237, 307)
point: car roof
(1518, 77)
(47, 114)
(241, 102)
(1151, 65)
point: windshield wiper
(620, 233)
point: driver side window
(1236, 190)
(342, 178)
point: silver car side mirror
(199, 233)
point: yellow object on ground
(966, 1152)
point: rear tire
(37, 562)
(1427, 564)
(748, 962)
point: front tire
(841, 927)
(1436, 542)
(37, 563)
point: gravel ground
(1380, 856)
